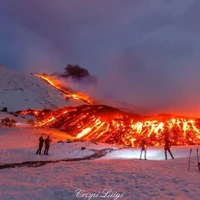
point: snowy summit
(21, 91)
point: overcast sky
(145, 52)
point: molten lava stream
(55, 83)
(105, 124)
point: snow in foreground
(120, 171)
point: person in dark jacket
(144, 148)
(47, 145)
(41, 141)
(167, 148)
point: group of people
(167, 147)
(47, 142)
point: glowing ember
(84, 132)
(68, 94)
(105, 124)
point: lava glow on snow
(68, 94)
(100, 123)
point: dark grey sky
(144, 52)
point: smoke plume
(78, 78)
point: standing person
(167, 148)
(144, 148)
(41, 141)
(47, 145)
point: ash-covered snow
(21, 91)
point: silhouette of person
(167, 148)
(47, 145)
(144, 148)
(41, 141)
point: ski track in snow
(119, 171)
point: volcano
(48, 101)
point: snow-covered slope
(20, 91)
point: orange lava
(68, 94)
(101, 123)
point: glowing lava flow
(105, 124)
(84, 132)
(67, 93)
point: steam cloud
(144, 52)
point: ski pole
(189, 159)
(198, 163)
